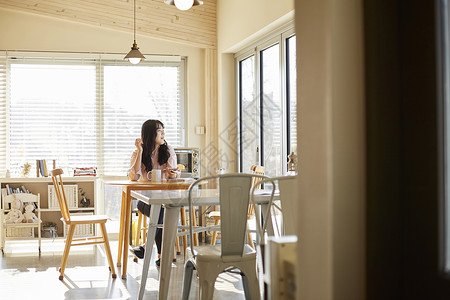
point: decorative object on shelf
(85, 202)
(15, 215)
(26, 169)
(29, 215)
(49, 230)
(184, 4)
(91, 171)
(134, 56)
(292, 164)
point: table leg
(169, 235)
(126, 232)
(152, 225)
(122, 220)
(183, 223)
(194, 223)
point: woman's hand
(172, 172)
(138, 144)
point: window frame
(279, 36)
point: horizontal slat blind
(85, 112)
(3, 113)
(52, 115)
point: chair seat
(86, 219)
(209, 253)
(214, 213)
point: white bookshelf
(43, 185)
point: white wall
(24, 31)
(238, 20)
(331, 145)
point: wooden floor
(26, 275)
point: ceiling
(154, 18)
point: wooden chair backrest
(258, 170)
(59, 190)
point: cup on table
(156, 175)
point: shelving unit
(40, 185)
(21, 230)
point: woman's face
(160, 135)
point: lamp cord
(135, 21)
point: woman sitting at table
(152, 153)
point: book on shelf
(45, 168)
(4, 194)
(24, 189)
(42, 167)
(8, 191)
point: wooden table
(125, 212)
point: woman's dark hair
(148, 136)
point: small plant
(48, 224)
(26, 169)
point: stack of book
(41, 168)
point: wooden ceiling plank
(197, 32)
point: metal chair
(233, 252)
(285, 187)
(259, 170)
(73, 221)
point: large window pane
(292, 92)
(52, 115)
(271, 111)
(132, 95)
(249, 115)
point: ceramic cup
(156, 175)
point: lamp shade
(135, 56)
(184, 4)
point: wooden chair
(73, 221)
(259, 170)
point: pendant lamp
(134, 56)
(184, 4)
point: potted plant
(49, 230)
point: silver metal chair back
(234, 197)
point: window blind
(85, 111)
(3, 113)
(131, 96)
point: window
(145, 92)
(85, 112)
(266, 92)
